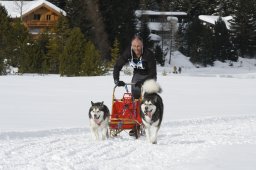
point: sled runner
(125, 114)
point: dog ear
(102, 103)
(92, 103)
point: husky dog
(99, 117)
(151, 109)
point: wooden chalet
(37, 15)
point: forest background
(94, 33)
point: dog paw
(155, 142)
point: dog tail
(151, 86)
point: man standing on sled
(143, 62)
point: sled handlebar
(125, 85)
(126, 88)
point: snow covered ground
(209, 122)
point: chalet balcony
(34, 23)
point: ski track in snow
(179, 142)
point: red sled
(125, 114)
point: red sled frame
(125, 114)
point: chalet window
(48, 17)
(37, 16)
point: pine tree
(159, 55)
(53, 55)
(59, 3)
(115, 52)
(88, 17)
(206, 55)
(4, 38)
(32, 59)
(62, 30)
(223, 48)
(224, 7)
(72, 56)
(198, 8)
(179, 5)
(42, 43)
(193, 37)
(145, 32)
(20, 56)
(123, 26)
(55, 46)
(92, 64)
(253, 42)
(100, 37)
(77, 16)
(180, 38)
(243, 27)
(150, 5)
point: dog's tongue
(97, 121)
(149, 114)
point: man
(143, 62)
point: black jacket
(148, 60)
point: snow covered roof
(138, 13)
(155, 37)
(213, 19)
(13, 7)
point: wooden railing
(40, 23)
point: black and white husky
(99, 118)
(151, 109)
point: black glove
(139, 83)
(120, 83)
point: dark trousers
(136, 91)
